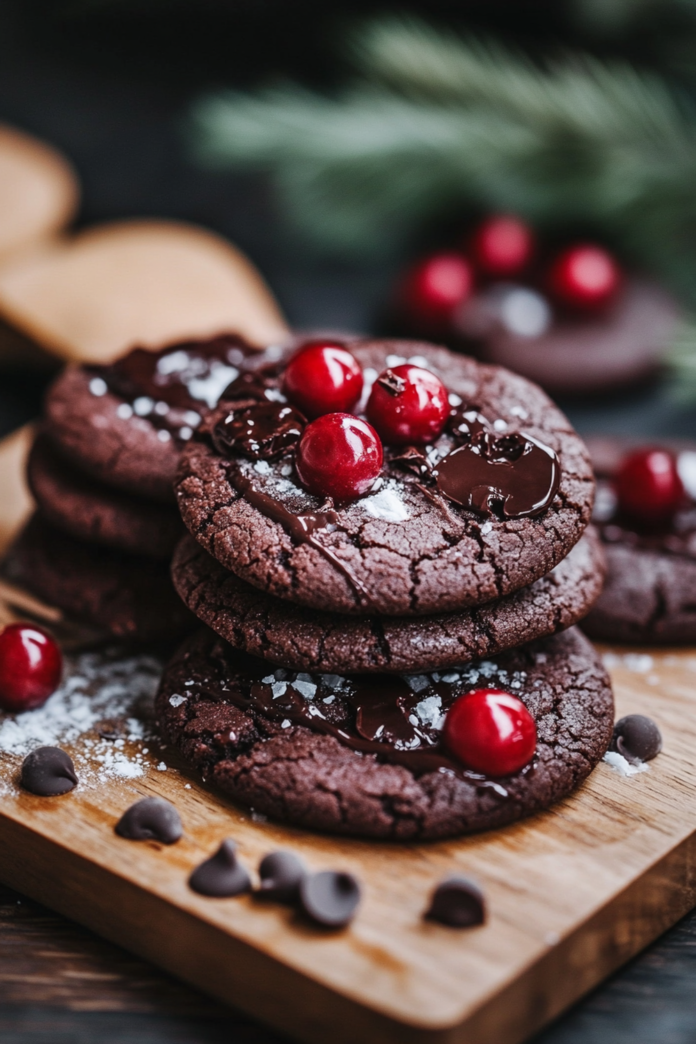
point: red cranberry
(30, 667)
(408, 405)
(490, 731)
(339, 456)
(323, 377)
(435, 288)
(502, 246)
(648, 485)
(585, 276)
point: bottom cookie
(129, 596)
(362, 755)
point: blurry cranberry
(408, 405)
(323, 377)
(491, 732)
(339, 456)
(435, 288)
(585, 276)
(648, 485)
(502, 246)
(30, 667)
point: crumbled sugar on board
(101, 713)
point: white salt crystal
(176, 700)
(98, 387)
(624, 768)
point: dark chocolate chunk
(48, 771)
(221, 875)
(281, 874)
(330, 898)
(458, 903)
(152, 819)
(514, 476)
(637, 738)
(263, 431)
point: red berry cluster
(583, 276)
(340, 455)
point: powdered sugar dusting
(100, 712)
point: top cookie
(480, 512)
(125, 423)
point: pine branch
(440, 122)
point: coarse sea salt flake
(623, 767)
(176, 700)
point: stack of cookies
(101, 471)
(389, 547)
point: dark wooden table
(114, 103)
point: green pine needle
(437, 123)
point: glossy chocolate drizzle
(173, 386)
(511, 475)
(302, 528)
(262, 431)
(381, 715)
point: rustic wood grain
(573, 894)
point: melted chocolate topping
(302, 528)
(511, 475)
(263, 431)
(397, 719)
(173, 386)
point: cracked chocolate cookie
(92, 511)
(365, 755)
(646, 515)
(130, 596)
(571, 355)
(487, 506)
(125, 423)
(306, 639)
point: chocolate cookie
(650, 590)
(362, 756)
(574, 355)
(92, 511)
(416, 543)
(125, 424)
(130, 596)
(307, 640)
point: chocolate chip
(330, 898)
(281, 874)
(458, 903)
(48, 771)
(221, 875)
(637, 738)
(153, 819)
(264, 431)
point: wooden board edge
(578, 963)
(226, 967)
(236, 973)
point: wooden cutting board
(572, 893)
